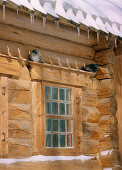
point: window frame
(76, 149)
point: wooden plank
(19, 96)
(64, 32)
(24, 50)
(36, 110)
(0, 119)
(60, 76)
(19, 84)
(4, 109)
(45, 42)
(9, 67)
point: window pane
(48, 107)
(69, 125)
(62, 140)
(48, 140)
(69, 109)
(68, 95)
(55, 125)
(62, 125)
(55, 140)
(62, 94)
(48, 124)
(47, 92)
(62, 108)
(69, 140)
(55, 108)
(54, 93)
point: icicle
(57, 24)
(115, 42)
(3, 11)
(31, 18)
(98, 35)
(78, 29)
(17, 11)
(44, 21)
(88, 33)
(106, 37)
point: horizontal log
(19, 84)
(19, 141)
(20, 124)
(19, 97)
(63, 32)
(46, 42)
(10, 67)
(110, 158)
(48, 55)
(19, 150)
(60, 75)
(18, 133)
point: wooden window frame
(40, 120)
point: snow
(81, 18)
(26, 4)
(71, 16)
(60, 10)
(100, 24)
(45, 158)
(107, 168)
(17, 2)
(104, 153)
(37, 6)
(109, 28)
(49, 9)
(91, 21)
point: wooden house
(54, 115)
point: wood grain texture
(64, 32)
(45, 42)
(4, 115)
(10, 67)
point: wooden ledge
(11, 65)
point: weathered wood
(18, 133)
(110, 157)
(37, 116)
(4, 115)
(64, 32)
(59, 76)
(19, 97)
(19, 150)
(19, 84)
(20, 124)
(10, 67)
(19, 141)
(45, 42)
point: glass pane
(48, 140)
(69, 140)
(55, 125)
(48, 92)
(48, 124)
(62, 94)
(62, 140)
(62, 108)
(55, 140)
(55, 108)
(48, 107)
(69, 109)
(54, 93)
(68, 95)
(62, 125)
(69, 125)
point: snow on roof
(105, 15)
(49, 9)
(37, 6)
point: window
(59, 117)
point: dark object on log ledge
(91, 68)
(34, 56)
